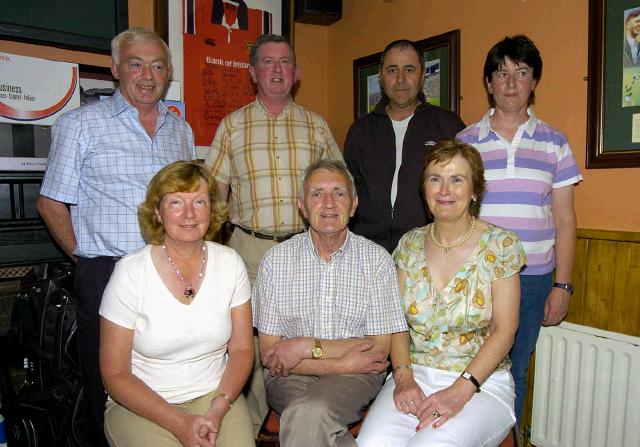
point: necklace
(190, 289)
(460, 241)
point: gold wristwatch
(316, 351)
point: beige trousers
(315, 411)
(251, 249)
(123, 428)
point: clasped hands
(284, 355)
(202, 431)
(435, 409)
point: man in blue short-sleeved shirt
(101, 159)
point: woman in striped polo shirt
(530, 172)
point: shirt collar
(283, 114)
(335, 256)
(120, 104)
(485, 123)
(633, 44)
(381, 107)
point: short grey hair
(330, 165)
(136, 35)
(266, 38)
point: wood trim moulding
(608, 235)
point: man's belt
(274, 238)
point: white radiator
(587, 388)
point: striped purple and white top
(520, 177)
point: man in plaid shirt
(325, 304)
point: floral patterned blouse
(448, 328)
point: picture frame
(613, 100)
(442, 74)
(77, 25)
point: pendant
(188, 293)
(446, 249)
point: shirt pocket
(350, 315)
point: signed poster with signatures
(217, 37)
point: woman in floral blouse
(459, 278)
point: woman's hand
(407, 395)
(445, 404)
(219, 408)
(194, 431)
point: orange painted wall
(140, 14)
(311, 54)
(606, 199)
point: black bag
(41, 344)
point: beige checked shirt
(263, 158)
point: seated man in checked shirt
(325, 304)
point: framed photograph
(441, 71)
(613, 108)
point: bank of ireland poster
(217, 37)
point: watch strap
(468, 376)
(566, 286)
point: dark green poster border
(617, 119)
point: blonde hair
(179, 176)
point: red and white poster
(217, 37)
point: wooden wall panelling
(607, 279)
(606, 276)
(625, 309)
(576, 309)
(600, 276)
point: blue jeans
(534, 292)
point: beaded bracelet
(225, 396)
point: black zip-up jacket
(370, 155)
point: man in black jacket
(385, 149)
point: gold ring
(436, 414)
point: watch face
(316, 352)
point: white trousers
(484, 421)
